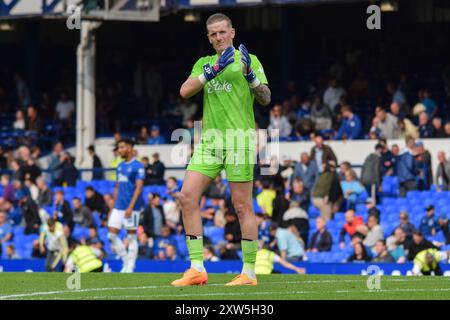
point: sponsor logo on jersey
(217, 86)
(122, 178)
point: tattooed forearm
(262, 94)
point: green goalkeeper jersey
(228, 99)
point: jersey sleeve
(140, 173)
(258, 69)
(197, 69)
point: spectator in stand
(442, 181)
(63, 212)
(428, 102)
(321, 153)
(396, 111)
(372, 209)
(162, 242)
(407, 227)
(65, 109)
(407, 129)
(383, 254)
(300, 194)
(152, 218)
(424, 168)
(396, 94)
(279, 122)
(23, 93)
(19, 123)
(327, 194)
(289, 246)
(70, 172)
(397, 245)
(343, 168)
(386, 160)
(266, 197)
(426, 129)
(437, 128)
(30, 213)
(55, 168)
(321, 114)
(372, 232)
(445, 227)
(5, 230)
(33, 122)
(387, 124)
(333, 94)
(429, 224)
(359, 254)
(143, 136)
(8, 189)
(155, 136)
(307, 171)
(418, 244)
(209, 254)
(447, 130)
(370, 172)
(351, 188)
(96, 164)
(406, 168)
(217, 189)
(321, 239)
(232, 230)
(11, 253)
(94, 200)
(351, 227)
(82, 216)
(296, 216)
(154, 171)
(305, 109)
(351, 126)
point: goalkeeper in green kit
(230, 81)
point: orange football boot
(242, 280)
(191, 277)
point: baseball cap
(429, 207)
(443, 216)
(154, 127)
(419, 144)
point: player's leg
(131, 224)
(239, 167)
(194, 185)
(241, 194)
(114, 226)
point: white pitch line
(47, 293)
(270, 293)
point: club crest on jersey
(217, 86)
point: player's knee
(242, 209)
(185, 199)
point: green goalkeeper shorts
(210, 161)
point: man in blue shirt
(5, 230)
(128, 204)
(164, 240)
(155, 136)
(307, 171)
(429, 224)
(289, 246)
(351, 125)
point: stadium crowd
(304, 209)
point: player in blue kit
(128, 204)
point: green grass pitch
(51, 286)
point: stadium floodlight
(389, 6)
(192, 16)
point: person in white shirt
(280, 122)
(333, 94)
(19, 124)
(65, 108)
